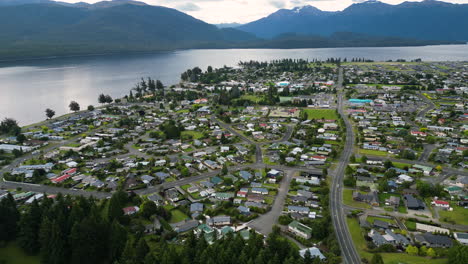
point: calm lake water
(27, 88)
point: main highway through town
(348, 250)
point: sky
(243, 11)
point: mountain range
(427, 20)
(37, 28)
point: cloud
(277, 3)
(188, 7)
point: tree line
(85, 230)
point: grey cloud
(188, 7)
(278, 3)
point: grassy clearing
(177, 216)
(192, 134)
(12, 254)
(372, 152)
(371, 219)
(321, 114)
(348, 200)
(253, 98)
(459, 215)
(185, 187)
(285, 99)
(410, 225)
(401, 165)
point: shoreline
(103, 54)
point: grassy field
(401, 165)
(459, 215)
(348, 200)
(177, 216)
(185, 187)
(372, 152)
(389, 258)
(252, 98)
(12, 254)
(410, 225)
(192, 134)
(371, 219)
(285, 99)
(321, 113)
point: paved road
(52, 189)
(206, 175)
(428, 148)
(348, 249)
(430, 106)
(264, 223)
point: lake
(28, 87)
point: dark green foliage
(458, 254)
(9, 217)
(116, 203)
(74, 106)
(30, 223)
(49, 113)
(171, 130)
(377, 259)
(9, 126)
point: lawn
(371, 219)
(321, 114)
(348, 200)
(459, 215)
(177, 216)
(12, 254)
(185, 187)
(372, 152)
(285, 99)
(410, 225)
(192, 134)
(252, 98)
(389, 258)
(401, 165)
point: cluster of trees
(171, 130)
(81, 230)
(210, 76)
(147, 86)
(429, 190)
(105, 99)
(9, 126)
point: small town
(336, 158)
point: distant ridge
(42, 28)
(429, 20)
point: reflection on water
(27, 88)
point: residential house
(219, 221)
(300, 230)
(435, 241)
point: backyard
(321, 114)
(459, 215)
(389, 258)
(12, 254)
(348, 200)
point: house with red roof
(440, 203)
(131, 210)
(61, 178)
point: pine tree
(9, 217)
(30, 225)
